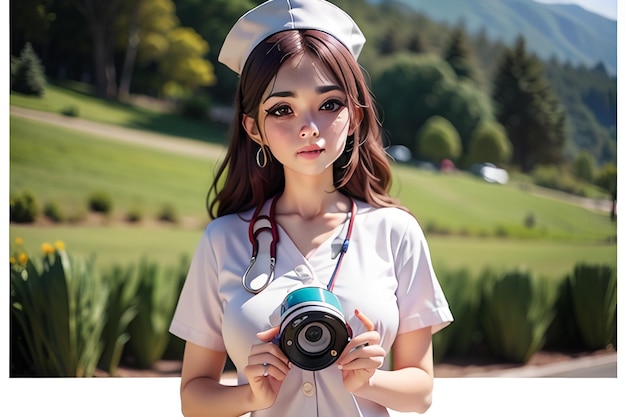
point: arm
(203, 395)
(409, 386)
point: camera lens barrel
(313, 329)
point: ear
(249, 124)
(356, 120)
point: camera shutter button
(308, 389)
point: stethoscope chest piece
(260, 271)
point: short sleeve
(198, 315)
(421, 300)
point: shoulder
(227, 228)
(385, 216)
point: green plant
(52, 210)
(438, 139)
(563, 332)
(60, 309)
(463, 294)
(168, 213)
(594, 299)
(27, 73)
(24, 207)
(135, 215)
(101, 202)
(122, 308)
(158, 293)
(70, 111)
(517, 309)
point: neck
(310, 199)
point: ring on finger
(265, 366)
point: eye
(279, 110)
(332, 105)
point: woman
(304, 188)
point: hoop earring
(261, 163)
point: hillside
(567, 32)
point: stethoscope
(254, 283)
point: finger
(269, 334)
(369, 325)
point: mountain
(565, 31)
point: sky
(607, 8)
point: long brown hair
(362, 171)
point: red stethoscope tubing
(254, 232)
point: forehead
(302, 72)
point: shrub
(60, 310)
(517, 310)
(489, 143)
(463, 294)
(168, 213)
(556, 179)
(584, 167)
(24, 208)
(52, 210)
(157, 297)
(563, 332)
(438, 139)
(27, 73)
(594, 300)
(122, 308)
(135, 215)
(101, 202)
(196, 107)
(70, 111)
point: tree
(526, 106)
(438, 140)
(27, 73)
(100, 17)
(489, 143)
(584, 167)
(412, 88)
(458, 55)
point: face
(303, 118)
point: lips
(310, 150)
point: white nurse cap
(275, 16)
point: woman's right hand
(267, 369)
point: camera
(313, 330)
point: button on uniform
(308, 389)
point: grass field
(468, 222)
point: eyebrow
(320, 90)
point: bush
(517, 310)
(70, 111)
(556, 179)
(563, 332)
(101, 202)
(122, 308)
(27, 73)
(24, 208)
(168, 214)
(463, 294)
(53, 211)
(135, 215)
(60, 310)
(594, 300)
(489, 143)
(157, 297)
(438, 139)
(196, 107)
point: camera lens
(314, 338)
(313, 333)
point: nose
(309, 129)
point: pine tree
(529, 110)
(27, 73)
(459, 56)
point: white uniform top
(386, 274)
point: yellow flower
(19, 241)
(23, 258)
(47, 248)
(59, 245)
(12, 260)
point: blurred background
(500, 120)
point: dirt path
(123, 134)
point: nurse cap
(275, 16)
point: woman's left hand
(361, 357)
